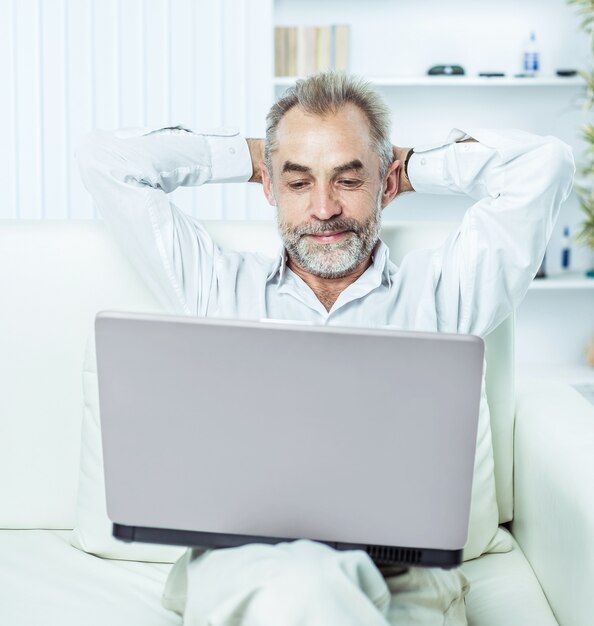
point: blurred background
(69, 66)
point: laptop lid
(222, 432)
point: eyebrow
(355, 164)
(289, 166)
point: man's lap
(305, 582)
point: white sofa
(55, 275)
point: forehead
(326, 140)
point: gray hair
(327, 92)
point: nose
(325, 204)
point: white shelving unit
(458, 81)
(571, 280)
(556, 319)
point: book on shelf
(303, 50)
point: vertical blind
(73, 65)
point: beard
(332, 260)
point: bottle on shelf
(565, 250)
(531, 63)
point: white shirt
(468, 285)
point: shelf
(458, 81)
(571, 280)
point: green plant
(585, 189)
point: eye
(349, 182)
(297, 185)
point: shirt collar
(380, 261)
(279, 266)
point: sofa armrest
(554, 494)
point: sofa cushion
(44, 580)
(504, 591)
(93, 530)
(55, 276)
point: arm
(519, 180)
(129, 174)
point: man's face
(327, 190)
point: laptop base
(380, 555)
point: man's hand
(404, 185)
(256, 147)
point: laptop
(218, 433)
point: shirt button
(231, 150)
(423, 161)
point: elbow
(558, 166)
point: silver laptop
(218, 433)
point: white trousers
(305, 583)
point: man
(329, 168)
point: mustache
(338, 224)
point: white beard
(332, 260)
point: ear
(390, 183)
(267, 185)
